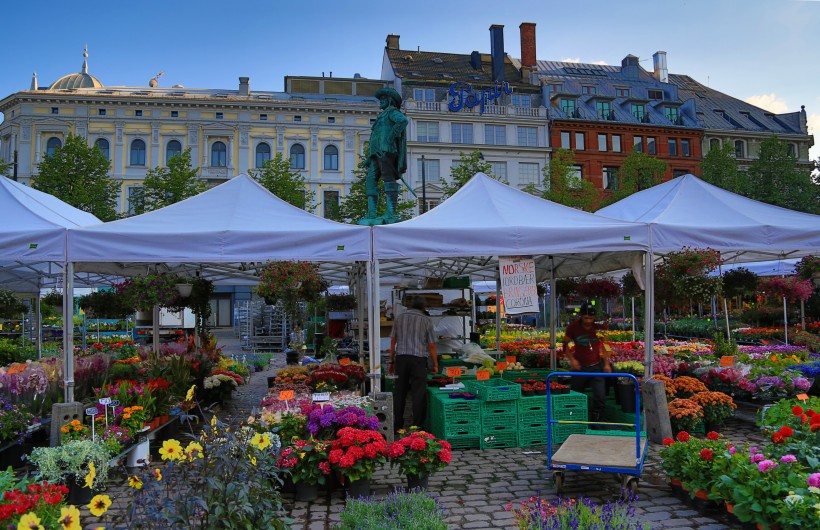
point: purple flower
(788, 459)
(766, 465)
(732, 450)
(814, 480)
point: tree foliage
(638, 172)
(719, 167)
(775, 178)
(286, 183)
(168, 185)
(467, 166)
(78, 175)
(353, 206)
(562, 185)
(5, 167)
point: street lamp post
(423, 186)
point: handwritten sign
(727, 360)
(802, 397)
(92, 411)
(321, 396)
(511, 359)
(453, 371)
(114, 403)
(482, 375)
(285, 395)
(344, 361)
(501, 366)
(518, 285)
(105, 401)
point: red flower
(803, 419)
(778, 438)
(713, 436)
(706, 454)
(668, 441)
(797, 410)
(786, 431)
(683, 436)
(395, 449)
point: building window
(655, 94)
(499, 170)
(137, 113)
(332, 158)
(427, 131)
(521, 100)
(331, 119)
(616, 143)
(263, 117)
(678, 173)
(588, 89)
(262, 154)
(219, 155)
(528, 174)
(622, 92)
(603, 109)
(556, 87)
(651, 147)
(528, 136)
(579, 141)
(565, 140)
(637, 143)
(568, 107)
(424, 94)
(740, 151)
(495, 135)
(174, 148)
(714, 143)
(610, 178)
(297, 118)
(431, 170)
(791, 150)
(52, 145)
(639, 111)
(673, 146)
(330, 200)
(137, 153)
(104, 147)
(101, 112)
(133, 196)
(175, 114)
(601, 142)
(55, 110)
(431, 203)
(671, 114)
(219, 115)
(297, 156)
(462, 133)
(685, 149)
(575, 177)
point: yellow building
(319, 123)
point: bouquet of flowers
(717, 406)
(419, 453)
(290, 282)
(355, 453)
(307, 461)
(685, 414)
(324, 421)
(791, 288)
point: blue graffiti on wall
(464, 96)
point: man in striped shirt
(411, 342)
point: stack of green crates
(532, 421)
(499, 412)
(569, 407)
(456, 420)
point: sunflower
(99, 505)
(29, 521)
(69, 518)
(135, 482)
(171, 450)
(193, 450)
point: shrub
(398, 511)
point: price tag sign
(501, 366)
(105, 401)
(511, 359)
(727, 360)
(482, 375)
(344, 361)
(453, 371)
(803, 397)
(285, 395)
(92, 411)
(115, 403)
(321, 396)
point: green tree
(78, 175)
(354, 205)
(638, 172)
(719, 167)
(5, 167)
(467, 166)
(563, 185)
(286, 183)
(775, 178)
(168, 185)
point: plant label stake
(92, 411)
(286, 395)
(105, 402)
(114, 404)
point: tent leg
(553, 315)
(649, 317)
(68, 331)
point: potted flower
(290, 282)
(717, 407)
(14, 424)
(674, 454)
(685, 414)
(419, 455)
(808, 268)
(26, 502)
(686, 387)
(82, 465)
(355, 454)
(698, 471)
(307, 461)
(144, 292)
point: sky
(761, 51)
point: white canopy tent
(486, 219)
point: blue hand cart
(604, 452)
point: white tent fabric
(686, 211)
(237, 221)
(33, 224)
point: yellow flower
(99, 505)
(190, 395)
(158, 474)
(302, 455)
(29, 521)
(193, 450)
(253, 459)
(251, 419)
(171, 450)
(92, 474)
(261, 441)
(135, 482)
(70, 518)
(213, 420)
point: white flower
(793, 499)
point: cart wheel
(558, 477)
(630, 487)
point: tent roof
(33, 223)
(687, 211)
(486, 218)
(237, 221)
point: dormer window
(655, 94)
(604, 111)
(622, 92)
(589, 89)
(672, 114)
(556, 87)
(568, 107)
(639, 111)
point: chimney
(393, 42)
(497, 51)
(659, 60)
(630, 68)
(475, 60)
(34, 85)
(527, 43)
(244, 86)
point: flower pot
(417, 482)
(730, 508)
(358, 488)
(761, 526)
(702, 494)
(306, 492)
(271, 381)
(78, 494)
(703, 505)
(140, 454)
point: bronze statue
(386, 157)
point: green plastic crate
(527, 405)
(465, 442)
(499, 440)
(571, 400)
(495, 390)
(489, 408)
(531, 437)
(539, 374)
(463, 426)
(560, 433)
(499, 422)
(533, 422)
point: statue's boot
(391, 192)
(370, 217)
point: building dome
(80, 80)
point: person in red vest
(587, 357)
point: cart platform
(599, 453)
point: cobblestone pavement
(477, 485)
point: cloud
(814, 128)
(578, 60)
(769, 102)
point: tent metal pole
(785, 322)
(498, 313)
(155, 331)
(374, 335)
(633, 318)
(649, 317)
(553, 361)
(725, 307)
(39, 320)
(68, 331)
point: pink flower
(732, 450)
(787, 459)
(766, 465)
(814, 480)
(758, 457)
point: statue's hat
(389, 93)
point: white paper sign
(518, 285)
(321, 396)
(105, 401)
